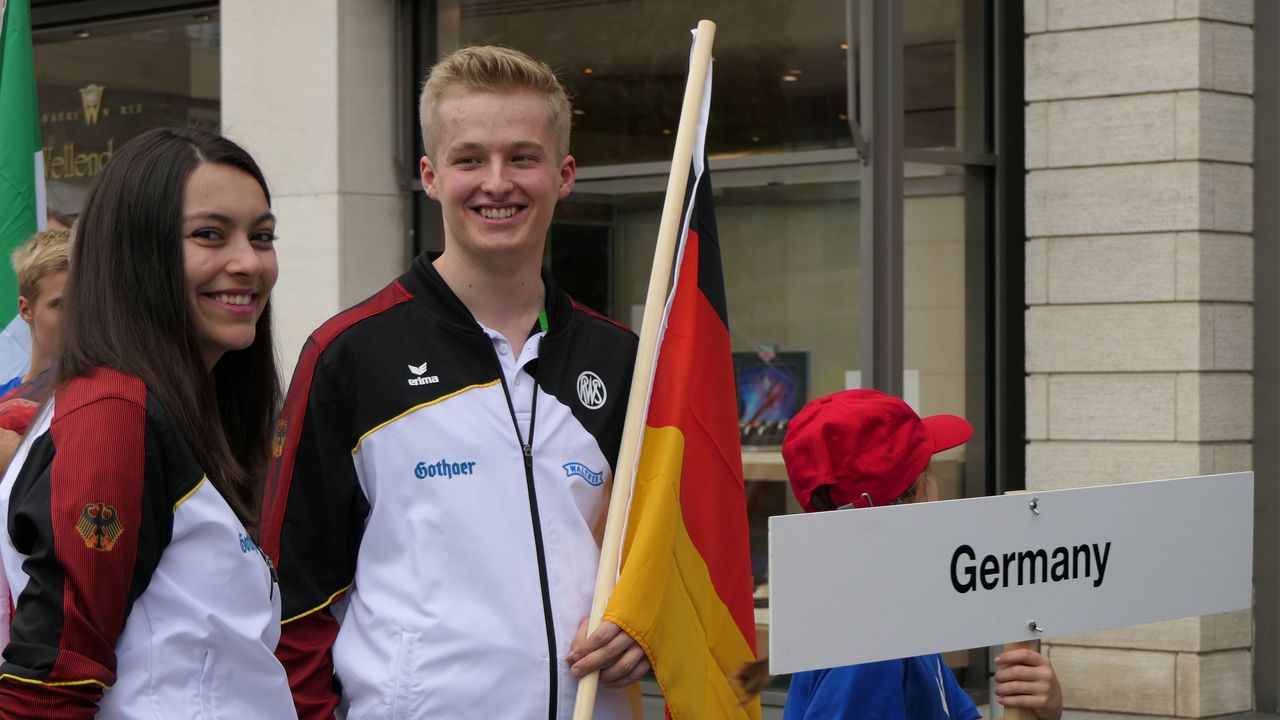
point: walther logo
(593, 478)
(91, 101)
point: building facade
(1045, 215)
(1139, 292)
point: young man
(862, 448)
(446, 449)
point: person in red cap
(862, 448)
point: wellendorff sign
(83, 126)
(67, 162)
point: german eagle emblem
(100, 526)
(277, 440)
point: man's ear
(24, 309)
(427, 171)
(568, 173)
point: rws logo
(591, 390)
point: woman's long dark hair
(126, 308)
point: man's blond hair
(43, 254)
(489, 68)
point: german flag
(684, 589)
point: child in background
(41, 267)
(862, 448)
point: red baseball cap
(864, 444)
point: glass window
(790, 257)
(935, 305)
(101, 85)
(944, 74)
(779, 79)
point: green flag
(22, 203)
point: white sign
(854, 586)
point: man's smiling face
(497, 173)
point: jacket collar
(424, 282)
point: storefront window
(779, 73)
(945, 67)
(100, 85)
(790, 256)
(935, 304)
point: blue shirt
(918, 688)
(6, 387)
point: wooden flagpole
(654, 304)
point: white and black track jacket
(138, 594)
(432, 563)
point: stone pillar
(308, 87)
(1139, 342)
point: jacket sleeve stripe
(314, 687)
(191, 492)
(592, 313)
(65, 683)
(416, 408)
(332, 599)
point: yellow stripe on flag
(667, 598)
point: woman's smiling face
(229, 256)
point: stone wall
(308, 87)
(1139, 202)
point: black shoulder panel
(587, 366)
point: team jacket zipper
(526, 448)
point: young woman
(138, 590)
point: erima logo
(593, 478)
(422, 378)
(591, 390)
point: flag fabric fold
(22, 205)
(684, 587)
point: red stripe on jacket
(99, 433)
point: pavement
(1081, 715)
(653, 710)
